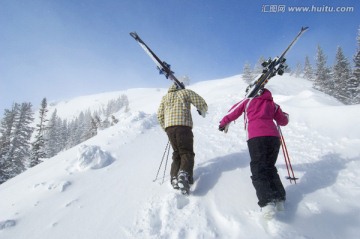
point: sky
(63, 49)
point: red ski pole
(287, 158)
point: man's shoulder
(190, 92)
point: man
(174, 115)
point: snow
(104, 188)
(92, 157)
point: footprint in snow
(7, 224)
(181, 201)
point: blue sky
(61, 49)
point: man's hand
(203, 114)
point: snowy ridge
(104, 187)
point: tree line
(341, 80)
(24, 145)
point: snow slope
(104, 187)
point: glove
(287, 116)
(221, 128)
(203, 114)
(224, 128)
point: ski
(162, 66)
(271, 68)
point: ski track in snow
(87, 181)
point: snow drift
(93, 157)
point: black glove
(222, 128)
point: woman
(263, 141)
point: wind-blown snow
(104, 187)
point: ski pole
(167, 158)
(287, 158)
(282, 147)
(167, 148)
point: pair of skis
(162, 66)
(271, 66)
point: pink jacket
(260, 113)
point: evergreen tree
(22, 136)
(7, 126)
(298, 70)
(74, 133)
(94, 127)
(248, 75)
(38, 146)
(185, 79)
(354, 84)
(323, 81)
(114, 120)
(97, 121)
(87, 132)
(110, 108)
(64, 134)
(308, 70)
(114, 106)
(53, 135)
(18, 153)
(6, 129)
(258, 69)
(106, 123)
(125, 102)
(341, 77)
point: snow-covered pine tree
(125, 102)
(7, 125)
(322, 81)
(110, 108)
(341, 77)
(185, 79)
(87, 125)
(53, 136)
(6, 129)
(354, 84)
(106, 123)
(114, 120)
(82, 127)
(94, 127)
(298, 70)
(258, 68)
(308, 70)
(64, 134)
(38, 146)
(97, 121)
(248, 74)
(19, 151)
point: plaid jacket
(175, 107)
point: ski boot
(174, 183)
(183, 182)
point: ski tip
(134, 35)
(304, 28)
